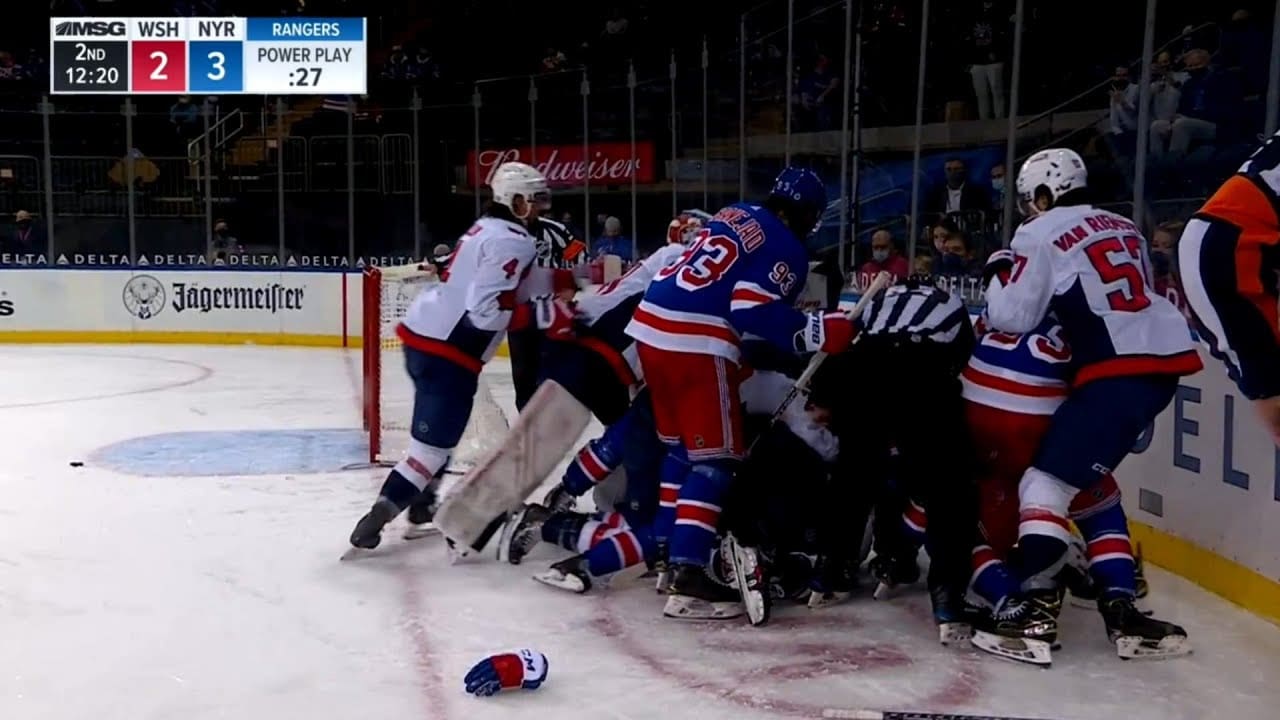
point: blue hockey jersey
(1029, 373)
(743, 275)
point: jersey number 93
(707, 261)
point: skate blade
(663, 582)
(1136, 648)
(561, 581)
(355, 553)
(746, 566)
(1022, 650)
(683, 607)
(417, 532)
(503, 551)
(885, 591)
(954, 633)
(820, 600)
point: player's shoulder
(669, 253)
(495, 227)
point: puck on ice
(76, 463)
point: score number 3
(709, 258)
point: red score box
(158, 66)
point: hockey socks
(992, 581)
(1111, 564)
(605, 539)
(697, 514)
(596, 460)
(671, 477)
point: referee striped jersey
(920, 311)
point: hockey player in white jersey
(454, 328)
(1130, 346)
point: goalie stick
(839, 714)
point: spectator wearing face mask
(1123, 117)
(884, 258)
(1164, 271)
(1208, 99)
(997, 187)
(25, 239)
(224, 243)
(1166, 88)
(956, 260)
(957, 194)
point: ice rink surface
(179, 591)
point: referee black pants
(904, 436)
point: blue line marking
(235, 452)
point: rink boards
(1202, 489)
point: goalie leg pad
(542, 435)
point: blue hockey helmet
(804, 197)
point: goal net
(388, 391)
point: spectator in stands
(185, 118)
(997, 188)
(1243, 50)
(957, 260)
(1207, 100)
(616, 26)
(424, 67)
(399, 66)
(987, 38)
(1164, 254)
(884, 258)
(553, 60)
(1166, 88)
(439, 258)
(224, 243)
(940, 232)
(9, 67)
(957, 194)
(613, 242)
(817, 96)
(923, 264)
(25, 239)
(1123, 130)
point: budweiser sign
(564, 165)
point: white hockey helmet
(517, 179)
(1057, 169)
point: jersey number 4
(706, 262)
(1119, 259)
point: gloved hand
(999, 264)
(507, 671)
(830, 332)
(555, 316)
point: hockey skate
(568, 574)
(748, 573)
(892, 573)
(522, 533)
(367, 534)
(661, 572)
(1022, 629)
(1074, 576)
(953, 615)
(421, 512)
(695, 595)
(833, 582)
(558, 499)
(1138, 637)
(459, 553)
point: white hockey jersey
(465, 317)
(606, 313)
(1089, 266)
(763, 391)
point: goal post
(387, 294)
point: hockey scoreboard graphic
(208, 56)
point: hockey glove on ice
(522, 669)
(999, 264)
(830, 332)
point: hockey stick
(881, 281)
(838, 714)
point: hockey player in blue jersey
(742, 276)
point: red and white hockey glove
(522, 669)
(555, 316)
(830, 332)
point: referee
(896, 407)
(558, 252)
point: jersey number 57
(706, 262)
